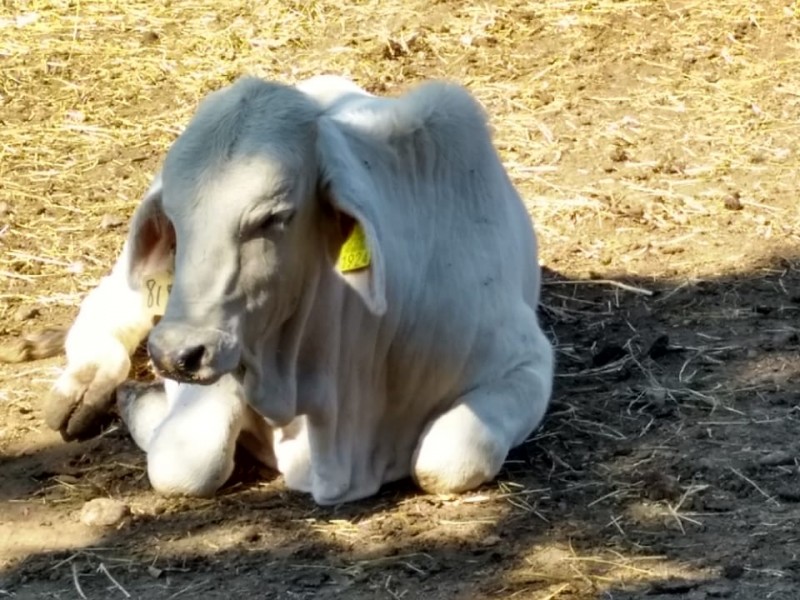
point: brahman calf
(349, 287)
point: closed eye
(270, 223)
(277, 220)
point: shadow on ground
(667, 468)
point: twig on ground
(557, 592)
(755, 486)
(102, 569)
(612, 282)
(77, 583)
(191, 586)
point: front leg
(112, 321)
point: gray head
(256, 196)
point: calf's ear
(351, 189)
(151, 238)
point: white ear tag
(156, 293)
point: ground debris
(789, 492)
(34, 346)
(104, 512)
(608, 354)
(26, 313)
(672, 586)
(718, 590)
(659, 347)
(733, 201)
(111, 221)
(776, 459)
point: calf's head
(256, 197)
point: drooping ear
(151, 238)
(351, 190)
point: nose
(192, 355)
(190, 359)
(183, 363)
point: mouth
(240, 372)
(203, 376)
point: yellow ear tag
(354, 254)
(156, 293)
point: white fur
(328, 89)
(454, 268)
(191, 451)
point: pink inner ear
(153, 247)
(346, 225)
(339, 225)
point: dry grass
(655, 142)
(703, 107)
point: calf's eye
(272, 222)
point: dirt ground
(657, 146)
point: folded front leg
(113, 320)
(111, 323)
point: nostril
(190, 359)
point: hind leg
(257, 438)
(293, 454)
(467, 445)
